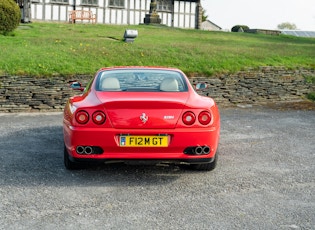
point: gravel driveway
(265, 179)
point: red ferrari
(141, 114)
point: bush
(311, 96)
(239, 28)
(310, 79)
(10, 16)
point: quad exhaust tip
(201, 150)
(89, 150)
(198, 150)
(195, 150)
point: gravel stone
(264, 179)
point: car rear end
(173, 126)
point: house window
(164, 5)
(117, 3)
(89, 2)
(59, 1)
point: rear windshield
(139, 80)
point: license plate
(143, 141)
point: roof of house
(208, 21)
(299, 33)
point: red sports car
(150, 114)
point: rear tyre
(207, 166)
(68, 163)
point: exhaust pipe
(80, 149)
(198, 150)
(84, 150)
(206, 150)
(88, 150)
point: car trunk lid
(142, 110)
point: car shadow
(34, 156)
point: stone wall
(267, 84)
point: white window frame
(164, 5)
(60, 1)
(89, 2)
(116, 3)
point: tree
(287, 25)
(204, 16)
(239, 28)
(10, 16)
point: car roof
(140, 67)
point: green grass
(47, 49)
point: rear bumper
(143, 161)
(108, 141)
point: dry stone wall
(267, 84)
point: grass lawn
(47, 49)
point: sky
(261, 14)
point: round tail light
(98, 117)
(204, 118)
(189, 118)
(82, 117)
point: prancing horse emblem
(144, 118)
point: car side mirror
(201, 86)
(75, 85)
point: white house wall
(183, 16)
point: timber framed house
(173, 13)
